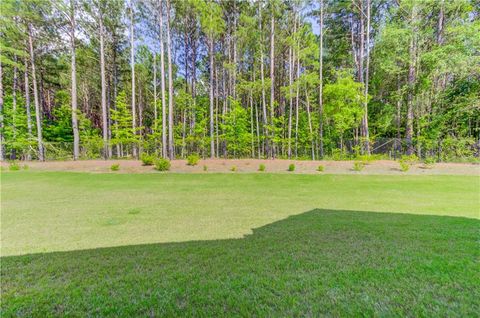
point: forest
(304, 79)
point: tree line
(229, 78)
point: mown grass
(299, 261)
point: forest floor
(238, 244)
(384, 167)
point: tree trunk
(171, 153)
(365, 131)
(104, 90)
(132, 67)
(272, 78)
(76, 137)
(411, 86)
(2, 154)
(14, 105)
(41, 154)
(212, 141)
(320, 88)
(310, 123)
(262, 78)
(27, 107)
(162, 82)
(155, 110)
(290, 109)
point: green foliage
(358, 166)
(404, 167)
(147, 159)
(410, 159)
(236, 130)
(291, 167)
(193, 159)
(429, 162)
(321, 168)
(343, 102)
(25, 167)
(261, 167)
(233, 168)
(14, 166)
(115, 167)
(122, 131)
(205, 168)
(162, 164)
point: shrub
(233, 168)
(320, 168)
(205, 168)
(410, 159)
(115, 167)
(25, 167)
(407, 161)
(366, 159)
(404, 166)
(147, 160)
(193, 159)
(291, 167)
(358, 166)
(162, 164)
(14, 166)
(261, 167)
(428, 162)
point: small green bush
(147, 160)
(358, 166)
(429, 162)
(291, 167)
(25, 167)
(115, 167)
(407, 161)
(205, 168)
(162, 164)
(193, 159)
(320, 168)
(261, 167)
(366, 159)
(233, 168)
(410, 159)
(404, 166)
(14, 166)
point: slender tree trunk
(155, 106)
(27, 107)
(76, 137)
(41, 154)
(171, 150)
(162, 82)
(320, 88)
(290, 109)
(262, 78)
(234, 79)
(132, 68)
(309, 117)
(14, 105)
(212, 141)
(104, 90)
(411, 85)
(365, 131)
(272, 78)
(297, 106)
(2, 153)
(252, 144)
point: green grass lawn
(182, 245)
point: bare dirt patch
(252, 165)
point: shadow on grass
(322, 262)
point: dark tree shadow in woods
(321, 262)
